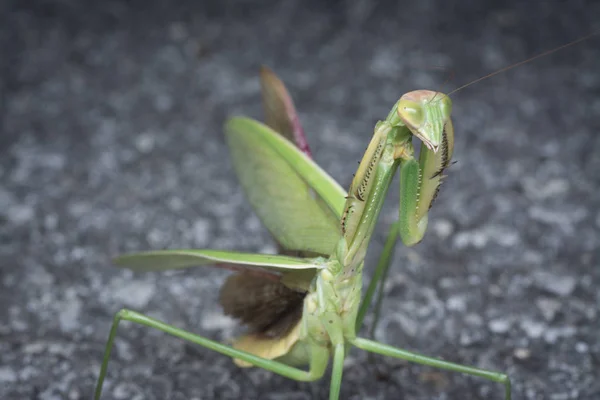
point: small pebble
(551, 335)
(522, 353)
(548, 307)
(7, 375)
(533, 329)
(20, 214)
(499, 325)
(456, 303)
(556, 284)
(144, 143)
(582, 347)
(201, 229)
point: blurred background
(111, 115)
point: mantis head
(425, 113)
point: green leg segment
(336, 373)
(380, 348)
(317, 367)
(379, 277)
(386, 261)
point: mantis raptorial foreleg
(419, 185)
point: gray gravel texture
(111, 141)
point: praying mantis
(303, 306)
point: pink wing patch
(280, 112)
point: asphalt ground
(112, 141)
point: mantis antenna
(545, 53)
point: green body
(308, 213)
(335, 291)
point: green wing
(298, 202)
(281, 116)
(162, 260)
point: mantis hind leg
(386, 350)
(318, 362)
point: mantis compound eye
(411, 113)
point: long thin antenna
(525, 61)
(448, 79)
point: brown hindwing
(266, 306)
